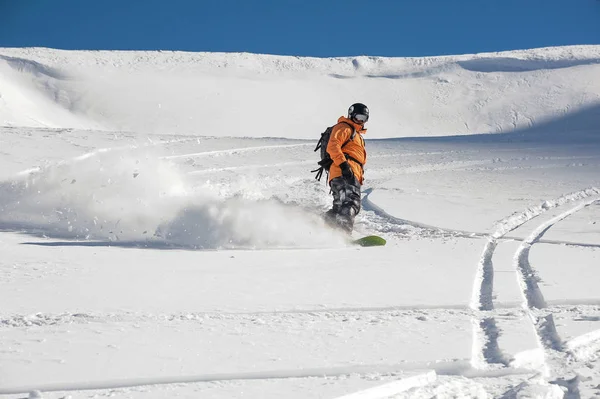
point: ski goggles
(361, 117)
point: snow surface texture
(160, 231)
(256, 95)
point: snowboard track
(447, 368)
(535, 303)
(91, 154)
(486, 350)
(424, 229)
(376, 217)
(234, 151)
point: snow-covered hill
(273, 96)
(160, 237)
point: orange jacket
(356, 148)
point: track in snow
(234, 151)
(582, 348)
(486, 350)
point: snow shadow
(404, 75)
(579, 126)
(150, 244)
(505, 64)
(33, 68)
(583, 122)
(144, 202)
(483, 65)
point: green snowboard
(370, 241)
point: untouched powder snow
(160, 230)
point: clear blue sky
(319, 28)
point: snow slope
(258, 95)
(159, 237)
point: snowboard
(369, 241)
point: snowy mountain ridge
(563, 56)
(292, 97)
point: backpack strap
(320, 170)
(320, 142)
(348, 157)
(351, 136)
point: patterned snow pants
(346, 204)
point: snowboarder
(346, 148)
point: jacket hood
(359, 128)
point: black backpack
(326, 161)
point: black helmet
(358, 112)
